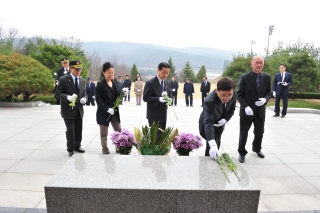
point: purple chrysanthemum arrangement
(186, 142)
(124, 141)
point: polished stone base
(116, 183)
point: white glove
(173, 90)
(162, 99)
(192, 93)
(207, 93)
(139, 90)
(284, 84)
(260, 102)
(83, 100)
(110, 111)
(248, 111)
(70, 98)
(93, 96)
(213, 149)
(221, 122)
(274, 94)
(200, 92)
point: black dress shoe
(79, 150)
(275, 115)
(282, 116)
(260, 154)
(242, 159)
(71, 153)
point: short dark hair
(283, 65)
(225, 84)
(127, 75)
(163, 64)
(205, 77)
(119, 76)
(106, 66)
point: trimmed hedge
(45, 98)
(22, 76)
(303, 95)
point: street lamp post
(252, 42)
(271, 28)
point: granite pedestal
(133, 183)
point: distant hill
(150, 55)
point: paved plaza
(33, 149)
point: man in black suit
(152, 94)
(69, 86)
(253, 94)
(91, 92)
(174, 90)
(218, 109)
(64, 70)
(281, 84)
(204, 89)
(188, 91)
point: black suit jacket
(104, 101)
(66, 87)
(61, 72)
(248, 93)
(205, 88)
(156, 111)
(174, 85)
(278, 88)
(212, 113)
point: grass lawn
(299, 103)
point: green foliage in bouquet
(153, 140)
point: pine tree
(172, 70)
(133, 73)
(187, 72)
(202, 73)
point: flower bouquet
(185, 143)
(153, 140)
(124, 141)
(169, 101)
(73, 102)
(119, 100)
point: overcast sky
(224, 24)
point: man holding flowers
(156, 103)
(72, 94)
(218, 108)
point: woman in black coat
(107, 92)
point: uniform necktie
(162, 86)
(258, 81)
(76, 84)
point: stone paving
(33, 149)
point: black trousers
(245, 124)
(90, 100)
(217, 135)
(187, 99)
(74, 132)
(277, 104)
(174, 98)
(203, 96)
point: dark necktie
(258, 81)
(162, 86)
(76, 84)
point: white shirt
(74, 77)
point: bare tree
(11, 40)
(71, 42)
(96, 66)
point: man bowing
(71, 89)
(152, 94)
(218, 108)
